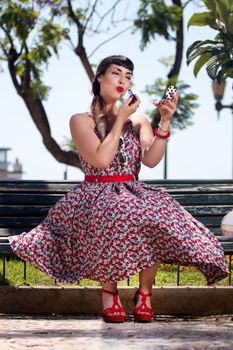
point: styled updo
(98, 103)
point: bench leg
(178, 275)
(4, 269)
(230, 260)
(24, 271)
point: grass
(166, 276)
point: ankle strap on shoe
(109, 292)
(143, 307)
(144, 294)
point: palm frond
(215, 65)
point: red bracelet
(164, 137)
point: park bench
(24, 204)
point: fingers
(164, 103)
(171, 102)
(133, 101)
(127, 109)
(138, 100)
(176, 97)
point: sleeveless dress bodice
(127, 157)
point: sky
(201, 151)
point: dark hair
(98, 104)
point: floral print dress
(109, 231)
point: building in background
(8, 170)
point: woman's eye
(115, 73)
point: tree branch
(72, 15)
(12, 57)
(106, 41)
(8, 35)
(27, 71)
(90, 15)
(101, 18)
(179, 44)
(4, 50)
(80, 49)
(38, 114)
(175, 70)
(113, 21)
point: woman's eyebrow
(121, 71)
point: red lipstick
(120, 89)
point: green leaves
(201, 62)
(211, 5)
(18, 19)
(223, 9)
(157, 18)
(29, 36)
(217, 54)
(219, 16)
(214, 54)
(202, 19)
(220, 67)
(165, 19)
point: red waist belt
(113, 178)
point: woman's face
(114, 82)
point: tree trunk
(37, 112)
(175, 70)
(179, 44)
(39, 117)
(81, 53)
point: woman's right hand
(126, 110)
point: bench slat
(34, 186)
(6, 232)
(40, 198)
(40, 210)
(49, 198)
(21, 211)
(25, 199)
(37, 186)
(209, 221)
(20, 222)
(205, 199)
(5, 248)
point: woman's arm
(99, 154)
(89, 145)
(153, 148)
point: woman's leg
(146, 280)
(107, 299)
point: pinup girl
(113, 225)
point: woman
(113, 225)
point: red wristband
(164, 137)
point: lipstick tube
(134, 98)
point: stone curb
(42, 300)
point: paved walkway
(58, 332)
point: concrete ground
(20, 332)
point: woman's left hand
(167, 107)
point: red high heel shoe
(108, 314)
(142, 313)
